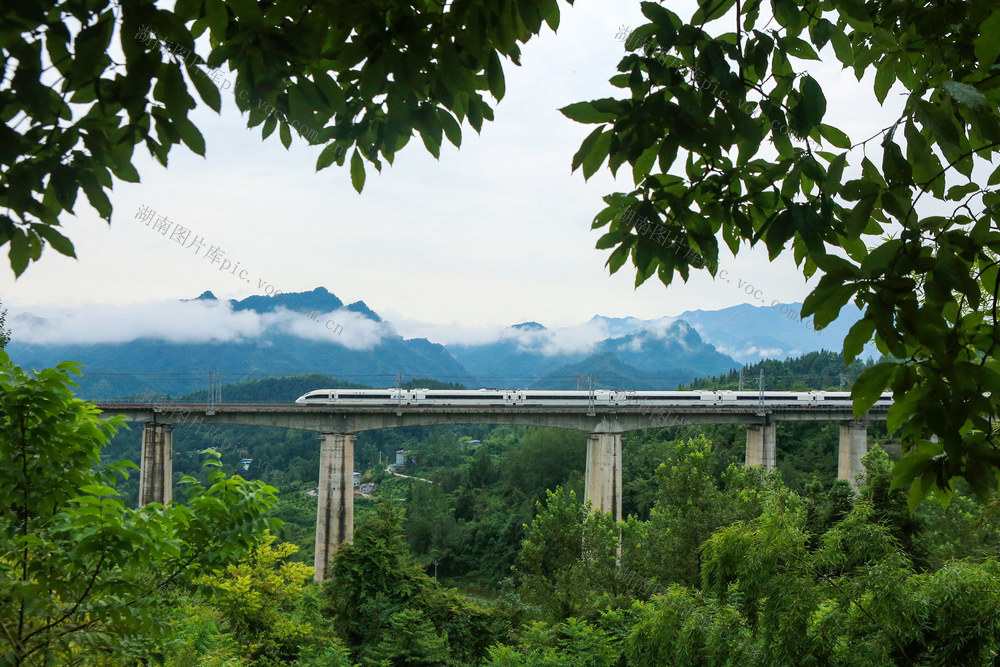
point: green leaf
(175, 96)
(586, 112)
(988, 42)
(964, 94)
(842, 47)
(609, 240)
(994, 177)
(788, 14)
(285, 134)
(798, 47)
(60, 243)
(909, 468)
(248, 13)
(125, 171)
(191, 137)
(451, 128)
(644, 163)
(206, 89)
(870, 385)
(834, 136)
(895, 166)
(860, 333)
(618, 257)
(598, 152)
(357, 171)
(98, 490)
(269, 126)
(218, 17)
(495, 77)
(709, 10)
(885, 76)
(327, 156)
(813, 104)
(97, 198)
(18, 253)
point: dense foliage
(4, 332)
(725, 134)
(86, 83)
(716, 563)
(823, 370)
(82, 575)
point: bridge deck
(355, 418)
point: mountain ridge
(664, 351)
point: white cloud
(198, 321)
(752, 353)
(581, 338)
(345, 327)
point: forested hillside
(471, 521)
(486, 554)
(814, 370)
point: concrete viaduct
(337, 426)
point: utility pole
(399, 394)
(590, 400)
(579, 381)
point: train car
(662, 398)
(373, 397)
(830, 399)
(562, 398)
(459, 397)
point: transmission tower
(760, 384)
(214, 395)
(741, 379)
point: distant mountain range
(296, 333)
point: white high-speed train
(601, 397)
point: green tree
(351, 75)
(380, 604)
(568, 644)
(694, 499)
(4, 332)
(567, 562)
(770, 594)
(889, 505)
(724, 132)
(256, 595)
(81, 575)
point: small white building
(401, 457)
(357, 480)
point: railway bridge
(337, 426)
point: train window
(556, 398)
(467, 397)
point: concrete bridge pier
(853, 445)
(335, 510)
(761, 444)
(156, 467)
(604, 473)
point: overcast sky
(491, 235)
